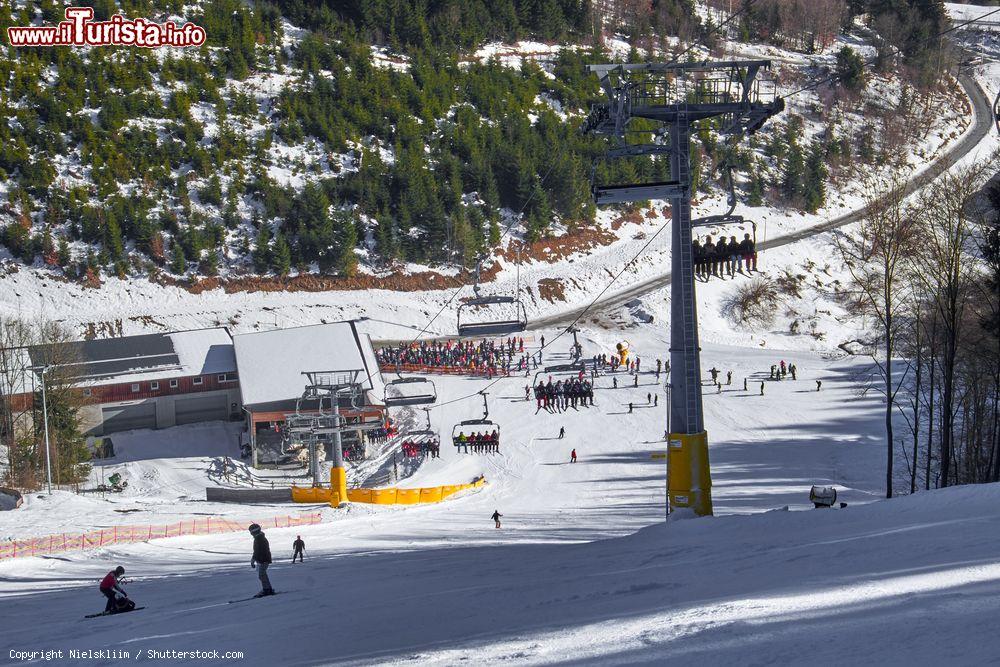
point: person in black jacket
(261, 559)
(298, 548)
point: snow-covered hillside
(583, 569)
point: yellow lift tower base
(338, 486)
(689, 481)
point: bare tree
(948, 270)
(876, 254)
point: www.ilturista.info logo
(79, 29)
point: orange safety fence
(50, 544)
(439, 370)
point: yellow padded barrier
(384, 496)
(390, 496)
(431, 494)
(359, 495)
(407, 496)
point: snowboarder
(110, 585)
(562, 432)
(496, 517)
(261, 559)
(572, 456)
(819, 383)
(298, 547)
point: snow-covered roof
(145, 357)
(271, 363)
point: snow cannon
(622, 349)
(822, 496)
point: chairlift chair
(494, 326)
(470, 426)
(427, 393)
(485, 423)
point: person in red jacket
(110, 585)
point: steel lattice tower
(678, 97)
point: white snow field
(584, 570)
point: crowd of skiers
(491, 357)
(563, 394)
(478, 443)
(378, 436)
(724, 257)
(415, 448)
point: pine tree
(262, 249)
(814, 187)
(281, 257)
(178, 262)
(794, 172)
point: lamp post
(45, 421)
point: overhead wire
(871, 61)
(458, 290)
(746, 5)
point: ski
(254, 597)
(110, 613)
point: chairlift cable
(871, 61)
(507, 231)
(746, 5)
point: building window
(173, 384)
(197, 381)
(135, 388)
(226, 377)
(154, 386)
(87, 393)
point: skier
(772, 371)
(784, 369)
(614, 382)
(649, 398)
(819, 383)
(635, 380)
(562, 432)
(110, 585)
(261, 559)
(744, 384)
(630, 408)
(298, 547)
(729, 378)
(791, 369)
(572, 456)
(656, 400)
(761, 388)
(496, 517)
(715, 374)
(718, 385)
